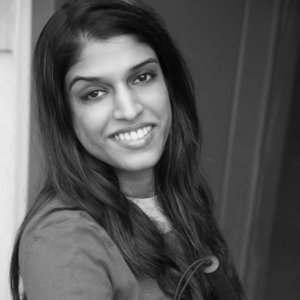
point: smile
(132, 136)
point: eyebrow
(93, 79)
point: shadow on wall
(283, 274)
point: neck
(137, 184)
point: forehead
(110, 56)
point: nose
(127, 105)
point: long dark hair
(85, 183)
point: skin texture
(117, 85)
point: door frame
(278, 87)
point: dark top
(68, 256)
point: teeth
(133, 135)
(140, 133)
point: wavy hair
(85, 183)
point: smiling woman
(120, 106)
(125, 212)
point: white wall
(15, 37)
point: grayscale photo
(150, 149)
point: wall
(283, 275)
(15, 31)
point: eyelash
(149, 76)
(86, 96)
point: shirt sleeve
(67, 256)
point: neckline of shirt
(151, 208)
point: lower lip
(137, 144)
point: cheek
(164, 110)
(164, 107)
(158, 98)
(168, 122)
(89, 124)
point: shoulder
(60, 224)
(65, 252)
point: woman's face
(120, 103)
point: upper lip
(133, 127)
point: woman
(124, 212)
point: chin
(139, 164)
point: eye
(94, 95)
(143, 78)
